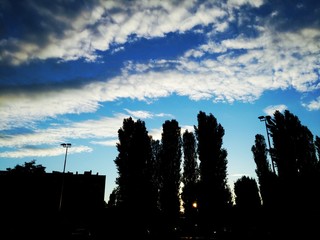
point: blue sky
(71, 71)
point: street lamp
(66, 146)
(265, 119)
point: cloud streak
(98, 129)
(222, 69)
(71, 31)
(271, 109)
(42, 152)
(288, 60)
(102, 131)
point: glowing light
(194, 204)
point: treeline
(188, 171)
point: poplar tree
(294, 152)
(135, 189)
(266, 178)
(190, 175)
(215, 194)
(170, 172)
(294, 149)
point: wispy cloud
(70, 31)
(102, 131)
(288, 60)
(107, 143)
(255, 3)
(239, 175)
(140, 114)
(106, 127)
(313, 105)
(23, 107)
(223, 70)
(42, 152)
(271, 109)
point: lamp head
(66, 145)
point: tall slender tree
(294, 149)
(317, 146)
(266, 177)
(170, 171)
(215, 194)
(190, 175)
(298, 176)
(135, 188)
(155, 166)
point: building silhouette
(31, 201)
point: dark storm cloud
(30, 25)
(34, 88)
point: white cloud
(156, 133)
(238, 175)
(140, 114)
(272, 108)
(184, 128)
(102, 132)
(234, 69)
(268, 63)
(42, 152)
(107, 143)
(313, 105)
(254, 3)
(22, 108)
(106, 127)
(244, 43)
(97, 27)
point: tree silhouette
(135, 189)
(294, 152)
(215, 195)
(156, 148)
(247, 193)
(27, 168)
(247, 209)
(150, 178)
(266, 177)
(190, 175)
(294, 149)
(170, 175)
(113, 198)
(317, 146)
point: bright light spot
(195, 205)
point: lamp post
(264, 119)
(66, 146)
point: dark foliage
(135, 195)
(170, 171)
(266, 178)
(27, 168)
(293, 193)
(247, 193)
(214, 192)
(190, 177)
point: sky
(72, 71)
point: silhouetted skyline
(70, 72)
